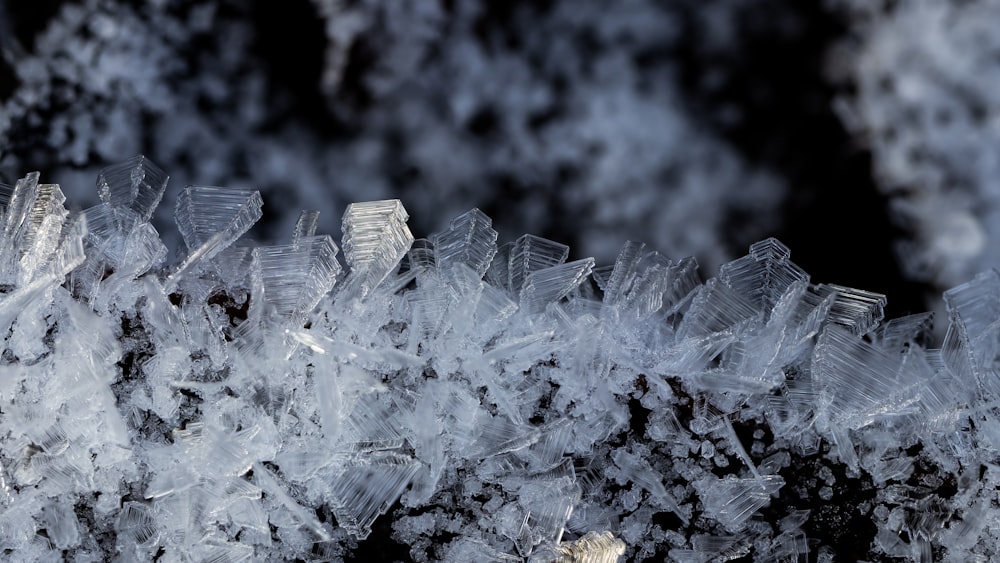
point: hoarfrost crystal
(484, 401)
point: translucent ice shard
(306, 225)
(136, 184)
(366, 489)
(136, 524)
(858, 310)
(429, 306)
(17, 210)
(61, 525)
(375, 239)
(470, 239)
(858, 380)
(549, 504)
(498, 274)
(732, 501)
(41, 234)
(553, 444)
(764, 275)
(705, 548)
(210, 219)
(616, 281)
(635, 469)
(34, 224)
(305, 517)
(227, 552)
(501, 435)
(373, 423)
(205, 212)
(549, 285)
(294, 277)
(644, 283)
(973, 341)
(715, 309)
(530, 254)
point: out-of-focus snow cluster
(492, 402)
(551, 112)
(923, 78)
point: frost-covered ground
(482, 401)
(856, 132)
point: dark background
(764, 92)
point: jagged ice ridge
(495, 402)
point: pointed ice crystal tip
(210, 220)
(295, 277)
(135, 184)
(306, 225)
(203, 212)
(531, 253)
(470, 239)
(375, 240)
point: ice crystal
(484, 401)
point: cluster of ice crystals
(490, 402)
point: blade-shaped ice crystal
(623, 273)
(858, 310)
(135, 184)
(6, 193)
(367, 489)
(42, 233)
(764, 274)
(498, 274)
(306, 225)
(552, 284)
(33, 223)
(637, 470)
(470, 239)
(716, 308)
(61, 525)
(974, 334)
(643, 283)
(858, 380)
(210, 219)
(501, 435)
(732, 501)
(373, 423)
(203, 212)
(101, 226)
(274, 489)
(549, 504)
(136, 524)
(375, 239)
(143, 250)
(429, 307)
(530, 254)
(18, 208)
(421, 256)
(294, 277)
(897, 333)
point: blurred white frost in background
(564, 120)
(925, 77)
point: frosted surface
(464, 401)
